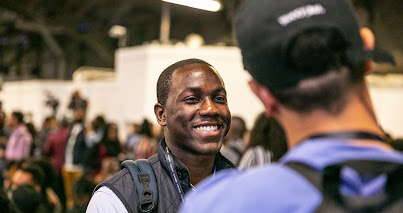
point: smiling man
(192, 108)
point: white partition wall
(30, 96)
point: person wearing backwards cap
(308, 59)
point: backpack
(146, 184)
(328, 184)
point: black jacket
(168, 195)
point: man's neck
(354, 117)
(199, 166)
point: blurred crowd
(55, 167)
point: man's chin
(210, 150)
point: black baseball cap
(265, 28)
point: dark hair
(48, 169)
(105, 137)
(38, 175)
(26, 199)
(145, 128)
(83, 186)
(269, 134)
(19, 116)
(238, 127)
(320, 51)
(165, 80)
(31, 129)
(99, 121)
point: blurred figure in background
(3, 142)
(26, 199)
(147, 146)
(267, 143)
(49, 125)
(133, 140)
(50, 186)
(55, 145)
(108, 147)
(54, 148)
(234, 143)
(5, 203)
(77, 101)
(74, 153)
(109, 167)
(20, 141)
(95, 131)
(82, 191)
(3, 132)
(35, 145)
(33, 175)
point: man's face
(196, 111)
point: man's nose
(208, 108)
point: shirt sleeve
(104, 200)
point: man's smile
(210, 129)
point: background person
(234, 143)
(267, 143)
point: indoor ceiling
(62, 35)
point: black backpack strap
(310, 174)
(328, 183)
(145, 182)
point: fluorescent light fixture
(209, 5)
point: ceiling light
(209, 5)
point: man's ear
(368, 40)
(269, 102)
(159, 112)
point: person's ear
(159, 112)
(269, 102)
(368, 40)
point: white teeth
(207, 128)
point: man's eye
(221, 99)
(191, 100)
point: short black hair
(164, 81)
(238, 126)
(320, 51)
(26, 199)
(38, 175)
(268, 133)
(19, 116)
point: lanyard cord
(174, 174)
(348, 135)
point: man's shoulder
(105, 200)
(273, 187)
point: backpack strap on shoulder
(328, 184)
(145, 182)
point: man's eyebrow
(199, 90)
(193, 89)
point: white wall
(131, 95)
(30, 97)
(388, 104)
